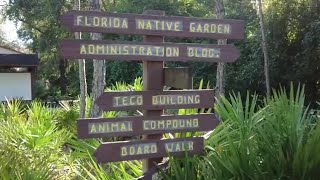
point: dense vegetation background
(275, 140)
(292, 30)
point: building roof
(19, 60)
(10, 49)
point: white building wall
(15, 85)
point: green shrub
(30, 143)
(276, 141)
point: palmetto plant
(287, 136)
(232, 152)
(275, 141)
(126, 170)
(82, 150)
(30, 143)
(187, 167)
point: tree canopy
(293, 35)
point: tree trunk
(264, 47)
(63, 77)
(99, 70)
(221, 66)
(82, 73)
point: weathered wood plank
(147, 51)
(139, 125)
(132, 150)
(156, 100)
(142, 24)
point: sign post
(153, 79)
(154, 173)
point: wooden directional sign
(113, 50)
(103, 22)
(155, 100)
(131, 150)
(139, 125)
(153, 51)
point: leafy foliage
(31, 145)
(272, 139)
(276, 139)
(271, 142)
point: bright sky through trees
(8, 27)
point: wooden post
(221, 66)
(153, 79)
(264, 47)
(99, 69)
(82, 72)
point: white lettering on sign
(176, 99)
(139, 149)
(170, 124)
(163, 25)
(202, 27)
(200, 52)
(135, 100)
(101, 21)
(130, 50)
(179, 146)
(109, 127)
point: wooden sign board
(155, 100)
(132, 150)
(138, 24)
(147, 51)
(139, 125)
(178, 77)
